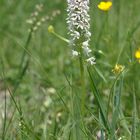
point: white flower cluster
(78, 21)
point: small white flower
(76, 35)
(85, 47)
(51, 90)
(38, 23)
(74, 53)
(29, 21)
(85, 44)
(47, 101)
(122, 138)
(91, 60)
(87, 50)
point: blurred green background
(116, 33)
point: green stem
(60, 37)
(23, 67)
(83, 88)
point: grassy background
(44, 96)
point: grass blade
(133, 134)
(99, 101)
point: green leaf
(99, 101)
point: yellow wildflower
(137, 54)
(117, 69)
(105, 6)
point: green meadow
(47, 94)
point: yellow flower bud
(51, 29)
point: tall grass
(46, 94)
